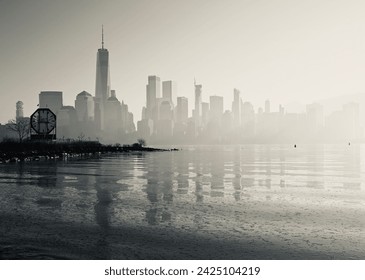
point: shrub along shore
(11, 151)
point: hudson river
(207, 202)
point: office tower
(315, 116)
(84, 105)
(127, 120)
(153, 92)
(165, 124)
(182, 110)
(113, 117)
(144, 113)
(67, 123)
(198, 104)
(351, 119)
(267, 106)
(205, 113)
(281, 109)
(236, 108)
(145, 128)
(169, 90)
(166, 111)
(19, 110)
(102, 83)
(216, 108)
(51, 100)
(248, 119)
(227, 122)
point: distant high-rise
(19, 110)
(84, 105)
(102, 83)
(198, 104)
(236, 108)
(205, 113)
(315, 116)
(66, 122)
(113, 117)
(182, 110)
(52, 100)
(267, 106)
(216, 108)
(166, 111)
(248, 119)
(169, 89)
(153, 92)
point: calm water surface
(211, 202)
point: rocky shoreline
(28, 152)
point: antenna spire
(102, 36)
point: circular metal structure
(43, 121)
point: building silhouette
(19, 110)
(85, 107)
(267, 106)
(198, 104)
(102, 84)
(52, 100)
(153, 93)
(236, 108)
(169, 91)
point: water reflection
(159, 189)
(186, 189)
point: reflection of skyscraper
(102, 84)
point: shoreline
(29, 152)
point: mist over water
(203, 202)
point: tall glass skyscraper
(102, 84)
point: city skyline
(318, 59)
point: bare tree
(81, 137)
(141, 142)
(20, 127)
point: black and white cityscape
(200, 130)
(166, 118)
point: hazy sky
(283, 50)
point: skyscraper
(169, 89)
(236, 108)
(19, 110)
(153, 92)
(216, 108)
(267, 106)
(198, 104)
(51, 100)
(102, 83)
(182, 110)
(84, 105)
